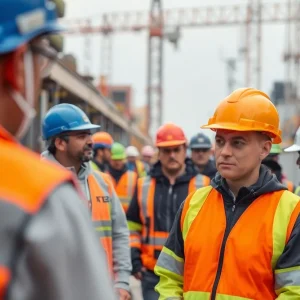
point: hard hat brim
(200, 146)
(170, 144)
(234, 127)
(293, 148)
(118, 157)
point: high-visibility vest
(246, 268)
(297, 191)
(25, 184)
(125, 188)
(154, 240)
(100, 205)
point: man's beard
(84, 157)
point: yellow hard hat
(247, 109)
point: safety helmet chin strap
(26, 104)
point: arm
(135, 227)
(170, 264)
(121, 249)
(287, 272)
(61, 258)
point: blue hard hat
(200, 141)
(63, 118)
(24, 20)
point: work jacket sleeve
(287, 271)
(61, 257)
(170, 264)
(135, 227)
(120, 239)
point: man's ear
(14, 69)
(60, 144)
(265, 149)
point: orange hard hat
(247, 109)
(102, 140)
(170, 135)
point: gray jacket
(120, 233)
(61, 258)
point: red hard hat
(170, 135)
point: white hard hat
(296, 146)
(132, 151)
(148, 151)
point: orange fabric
(239, 112)
(5, 276)
(36, 179)
(293, 220)
(192, 184)
(101, 211)
(289, 185)
(170, 135)
(148, 249)
(123, 190)
(202, 257)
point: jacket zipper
(221, 258)
(169, 206)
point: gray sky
(195, 77)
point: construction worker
(102, 151)
(133, 162)
(67, 130)
(272, 162)
(156, 201)
(201, 152)
(124, 180)
(147, 157)
(296, 148)
(47, 247)
(239, 237)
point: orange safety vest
(288, 184)
(154, 240)
(22, 194)
(259, 243)
(100, 188)
(125, 188)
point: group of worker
(78, 220)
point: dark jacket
(167, 200)
(210, 169)
(234, 210)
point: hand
(124, 295)
(139, 275)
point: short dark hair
(51, 143)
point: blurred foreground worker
(124, 180)
(272, 162)
(102, 142)
(133, 162)
(156, 201)
(147, 156)
(240, 237)
(201, 152)
(296, 148)
(47, 247)
(67, 130)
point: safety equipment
(148, 151)
(247, 109)
(22, 21)
(102, 140)
(132, 151)
(147, 239)
(118, 151)
(276, 149)
(22, 195)
(206, 258)
(296, 146)
(200, 141)
(63, 118)
(170, 135)
(125, 188)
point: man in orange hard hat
(238, 238)
(156, 201)
(102, 142)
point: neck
(172, 176)
(250, 179)
(99, 159)
(68, 163)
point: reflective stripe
(199, 181)
(195, 206)
(145, 191)
(134, 226)
(156, 241)
(287, 277)
(101, 223)
(284, 210)
(170, 261)
(104, 232)
(206, 296)
(134, 232)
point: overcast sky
(195, 77)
